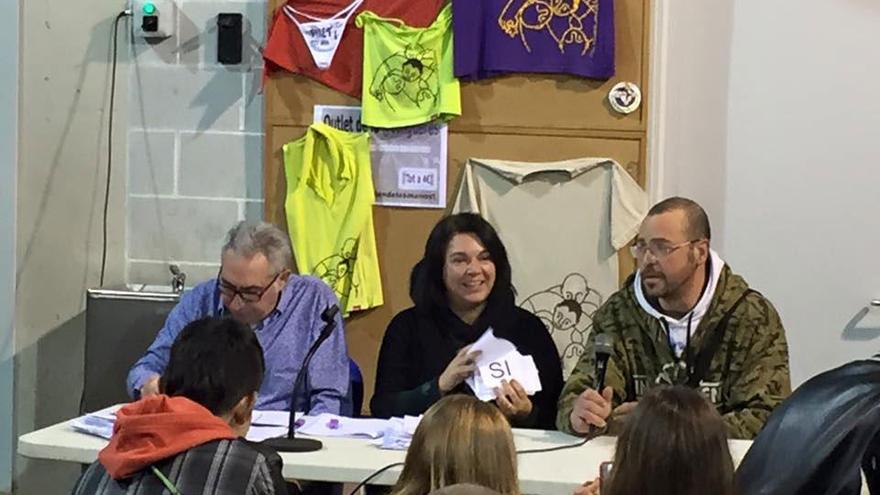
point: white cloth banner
(562, 224)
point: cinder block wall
(195, 143)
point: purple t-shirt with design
(494, 37)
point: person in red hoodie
(188, 439)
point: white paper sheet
(332, 425)
(492, 348)
(530, 378)
(99, 427)
(500, 361)
(398, 433)
(260, 433)
(394, 433)
(481, 391)
(99, 423)
(410, 423)
(272, 418)
(513, 366)
(264, 424)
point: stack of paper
(98, 423)
(332, 425)
(264, 424)
(394, 433)
(398, 433)
(269, 424)
(499, 360)
(271, 418)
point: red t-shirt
(287, 50)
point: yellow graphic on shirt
(563, 20)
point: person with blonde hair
(460, 440)
(675, 443)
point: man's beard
(663, 287)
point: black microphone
(290, 443)
(603, 346)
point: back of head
(675, 443)
(697, 221)
(460, 440)
(465, 489)
(427, 290)
(214, 362)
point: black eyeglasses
(247, 294)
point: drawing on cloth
(568, 22)
(567, 311)
(410, 75)
(337, 270)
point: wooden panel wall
(521, 117)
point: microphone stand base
(284, 444)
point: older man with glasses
(255, 287)
(684, 318)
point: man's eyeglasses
(658, 249)
(247, 294)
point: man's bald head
(697, 221)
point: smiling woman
(460, 288)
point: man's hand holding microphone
(592, 409)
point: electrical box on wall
(153, 19)
(229, 38)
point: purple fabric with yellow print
(495, 37)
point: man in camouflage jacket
(683, 318)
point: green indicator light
(149, 8)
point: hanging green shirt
(408, 72)
(329, 210)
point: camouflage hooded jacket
(747, 377)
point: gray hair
(250, 237)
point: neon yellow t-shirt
(329, 208)
(408, 72)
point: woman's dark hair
(214, 362)
(675, 443)
(426, 288)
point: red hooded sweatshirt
(155, 428)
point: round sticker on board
(625, 97)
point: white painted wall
(803, 167)
(9, 19)
(65, 81)
(689, 113)
(768, 118)
(195, 135)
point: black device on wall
(229, 38)
(150, 23)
